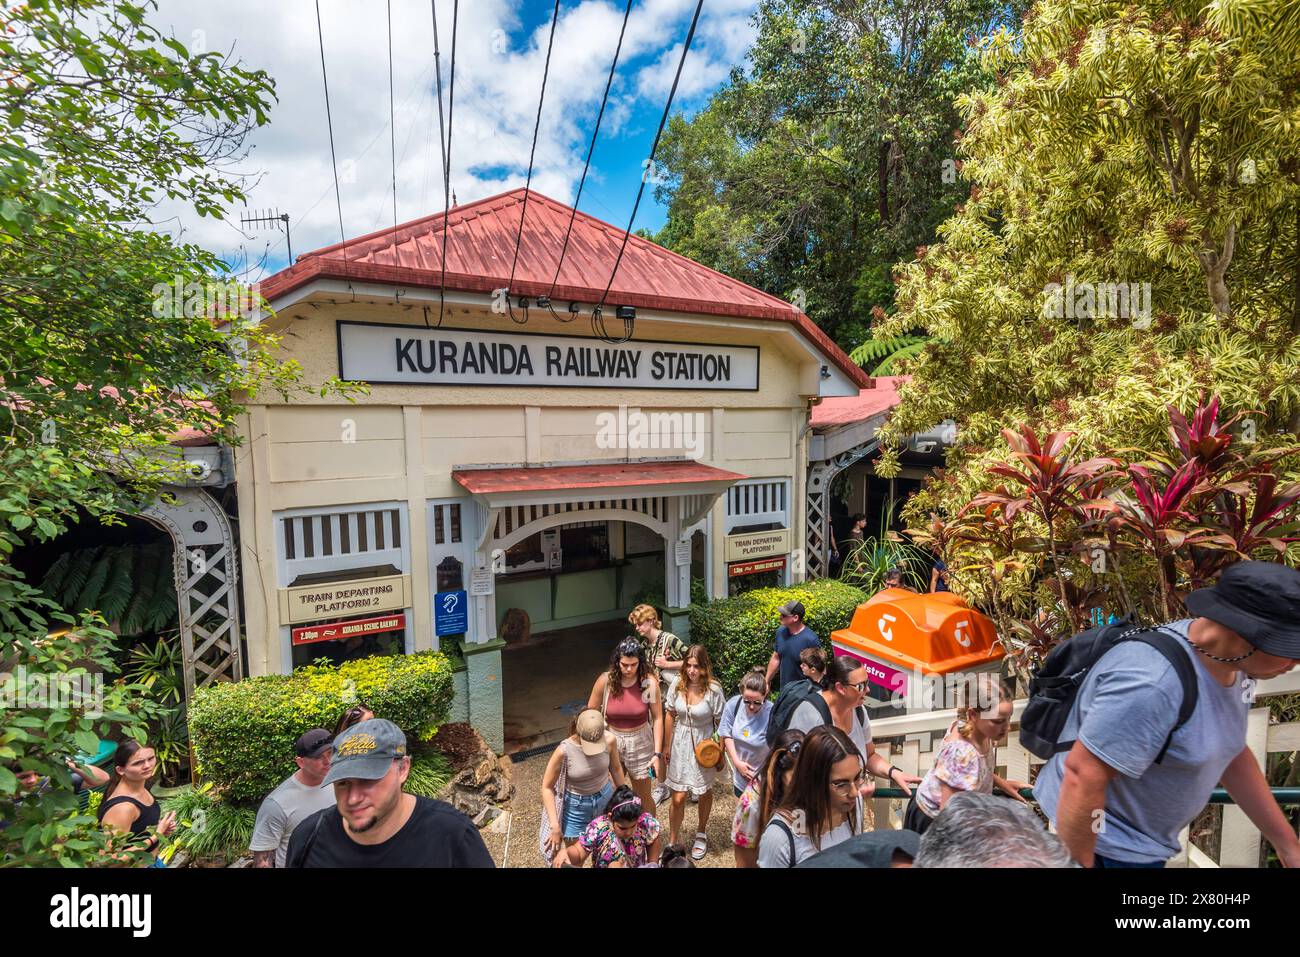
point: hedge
(243, 732)
(738, 632)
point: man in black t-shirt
(376, 824)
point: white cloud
(497, 85)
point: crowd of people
(1156, 723)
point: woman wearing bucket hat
(694, 706)
(579, 780)
(1139, 768)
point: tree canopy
(113, 336)
(829, 157)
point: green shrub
(430, 773)
(738, 632)
(207, 826)
(243, 732)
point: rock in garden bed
(482, 781)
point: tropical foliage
(1136, 147)
(243, 732)
(132, 586)
(738, 632)
(103, 117)
(1062, 541)
(829, 156)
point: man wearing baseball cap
(374, 823)
(1115, 802)
(298, 797)
(791, 638)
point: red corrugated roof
(480, 248)
(866, 404)
(551, 479)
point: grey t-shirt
(774, 845)
(1123, 714)
(806, 717)
(281, 812)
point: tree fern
(52, 583)
(881, 353)
(73, 580)
(128, 584)
(892, 362)
(152, 607)
(118, 583)
(162, 608)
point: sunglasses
(753, 704)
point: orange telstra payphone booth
(915, 647)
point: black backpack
(788, 701)
(1056, 683)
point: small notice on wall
(682, 552)
(482, 582)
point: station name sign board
(397, 355)
(314, 602)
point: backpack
(788, 701)
(1056, 683)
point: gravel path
(526, 810)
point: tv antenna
(269, 218)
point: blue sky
(500, 52)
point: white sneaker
(659, 793)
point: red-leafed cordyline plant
(1052, 487)
(1208, 505)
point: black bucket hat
(1259, 601)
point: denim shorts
(581, 809)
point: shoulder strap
(735, 708)
(822, 707)
(604, 702)
(861, 712)
(789, 834)
(305, 852)
(1168, 645)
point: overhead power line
(597, 320)
(537, 125)
(338, 199)
(573, 213)
(446, 154)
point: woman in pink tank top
(628, 695)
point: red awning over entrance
(573, 477)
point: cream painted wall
(400, 443)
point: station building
(522, 470)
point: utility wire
(597, 321)
(392, 128)
(333, 159)
(329, 121)
(442, 150)
(573, 213)
(446, 156)
(532, 153)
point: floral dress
(605, 846)
(746, 828)
(692, 724)
(961, 766)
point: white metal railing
(1239, 844)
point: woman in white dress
(693, 708)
